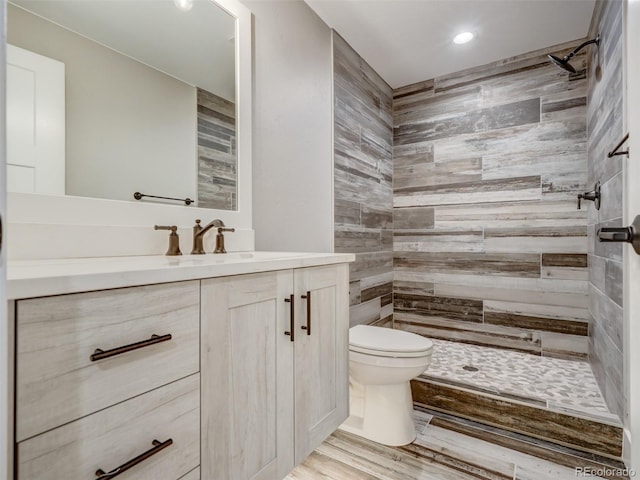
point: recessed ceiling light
(463, 37)
(184, 5)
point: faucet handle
(220, 239)
(174, 239)
(594, 195)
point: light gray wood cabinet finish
(247, 405)
(321, 358)
(263, 402)
(113, 436)
(56, 380)
(260, 390)
(192, 475)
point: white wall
(293, 122)
(632, 261)
(123, 118)
(4, 331)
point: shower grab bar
(615, 151)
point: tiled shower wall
(489, 247)
(217, 157)
(362, 182)
(606, 128)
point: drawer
(57, 381)
(111, 437)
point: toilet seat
(386, 342)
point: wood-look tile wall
(606, 129)
(363, 195)
(217, 158)
(489, 247)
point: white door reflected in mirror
(35, 123)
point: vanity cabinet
(235, 377)
(274, 379)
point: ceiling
(408, 41)
(197, 47)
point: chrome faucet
(199, 232)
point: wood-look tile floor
(436, 454)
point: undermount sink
(241, 256)
(30, 278)
(224, 258)
(152, 261)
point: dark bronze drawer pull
(307, 327)
(102, 354)
(291, 332)
(157, 446)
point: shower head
(564, 61)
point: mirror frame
(69, 210)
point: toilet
(382, 361)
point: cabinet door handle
(307, 327)
(99, 354)
(292, 324)
(157, 446)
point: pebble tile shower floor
(557, 384)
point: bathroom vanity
(215, 367)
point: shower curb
(589, 435)
(608, 468)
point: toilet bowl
(382, 361)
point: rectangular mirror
(109, 98)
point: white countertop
(39, 278)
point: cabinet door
(247, 381)
(321, 354)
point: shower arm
(581, 46)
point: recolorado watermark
(606, 472)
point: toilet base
(382, 413)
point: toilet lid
(380, 340)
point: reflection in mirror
(107, 98)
